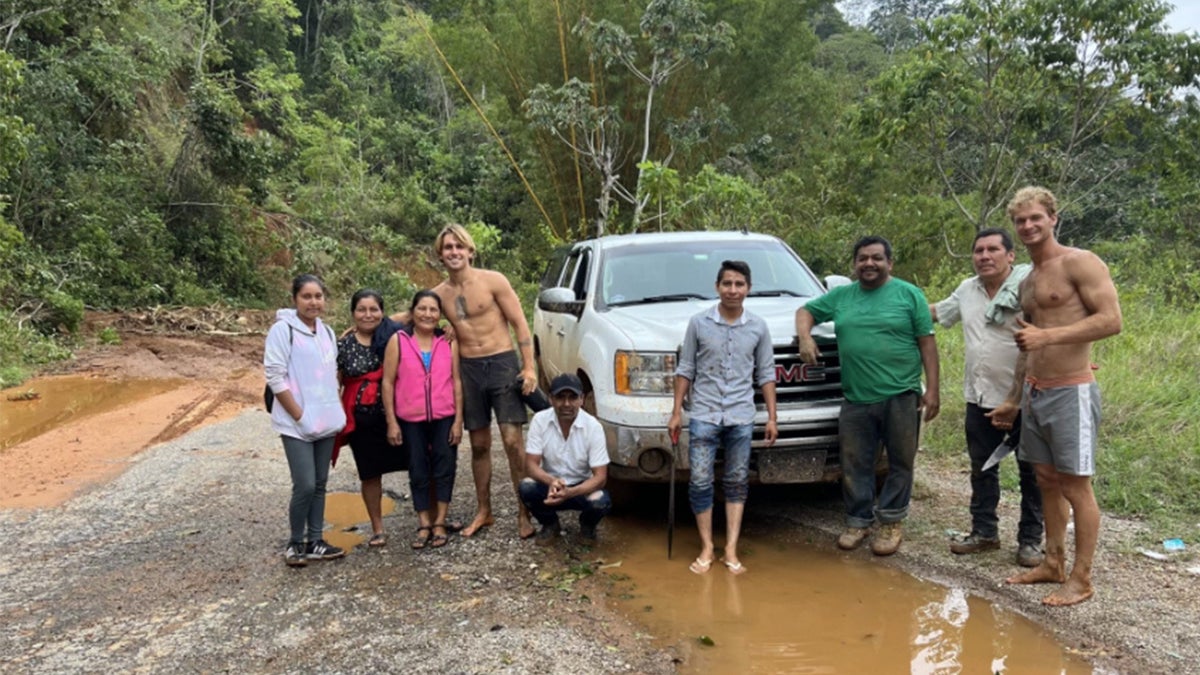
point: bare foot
(482, 519)
(1071, 593)
(1042, 574)
(525, 528)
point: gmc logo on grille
(799, 372)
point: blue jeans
(592, 508)
(308, 462)
(703, 440)
(982, 439)
(893, 423)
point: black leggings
(432, 458)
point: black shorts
(490, 384)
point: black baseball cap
(566, 382)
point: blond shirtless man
(482, 306)
(1069, 301)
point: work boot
(887, 541)
(974, 543)
(852, 538)
(1030, 555)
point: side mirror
(559, 300)
(835, 280)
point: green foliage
(23, 349)
(191, 152)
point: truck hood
(660, 326)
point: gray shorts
(490, 383)
(1059, 427)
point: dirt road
(168, 558)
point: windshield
(680, 270)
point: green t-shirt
(877, 333)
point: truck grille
(798, 383)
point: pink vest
(424, 396)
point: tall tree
(673, 34)
(1015, 91)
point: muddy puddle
(33, 408)
(346, 521)
(807, 609)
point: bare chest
(470, 304)
(1048, 293)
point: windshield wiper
(672, 297)
(775, 294)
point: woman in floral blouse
(360, 363)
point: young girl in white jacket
(300, 360)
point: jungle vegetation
(192, 152)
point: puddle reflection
(801, 609)
(346, 521)
(39, 405)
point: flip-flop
(735, 568)
(453, 526)
(378, 539)
(699, 566)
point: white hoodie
(303, 362)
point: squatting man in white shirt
(566, 463)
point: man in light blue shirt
(725, 353)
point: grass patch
(23, 350)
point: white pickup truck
(613, 310)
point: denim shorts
(703, 440)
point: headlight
(644, 373)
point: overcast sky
(1186, 16)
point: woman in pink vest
(422, 398)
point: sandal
(422, 540)
(378, 539)
(439, 540)
(699, 566)
(735, 568)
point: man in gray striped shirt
(725, 353)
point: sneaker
(852, 538)
(548, 534)
(294, 556)
(973, 543)
(323, 550)
(1030, 555)
(887, 541)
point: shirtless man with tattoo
(1069, 301)
(482, 306)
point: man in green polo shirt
(885, 340)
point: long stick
(671, 496)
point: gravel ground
(176, 565)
